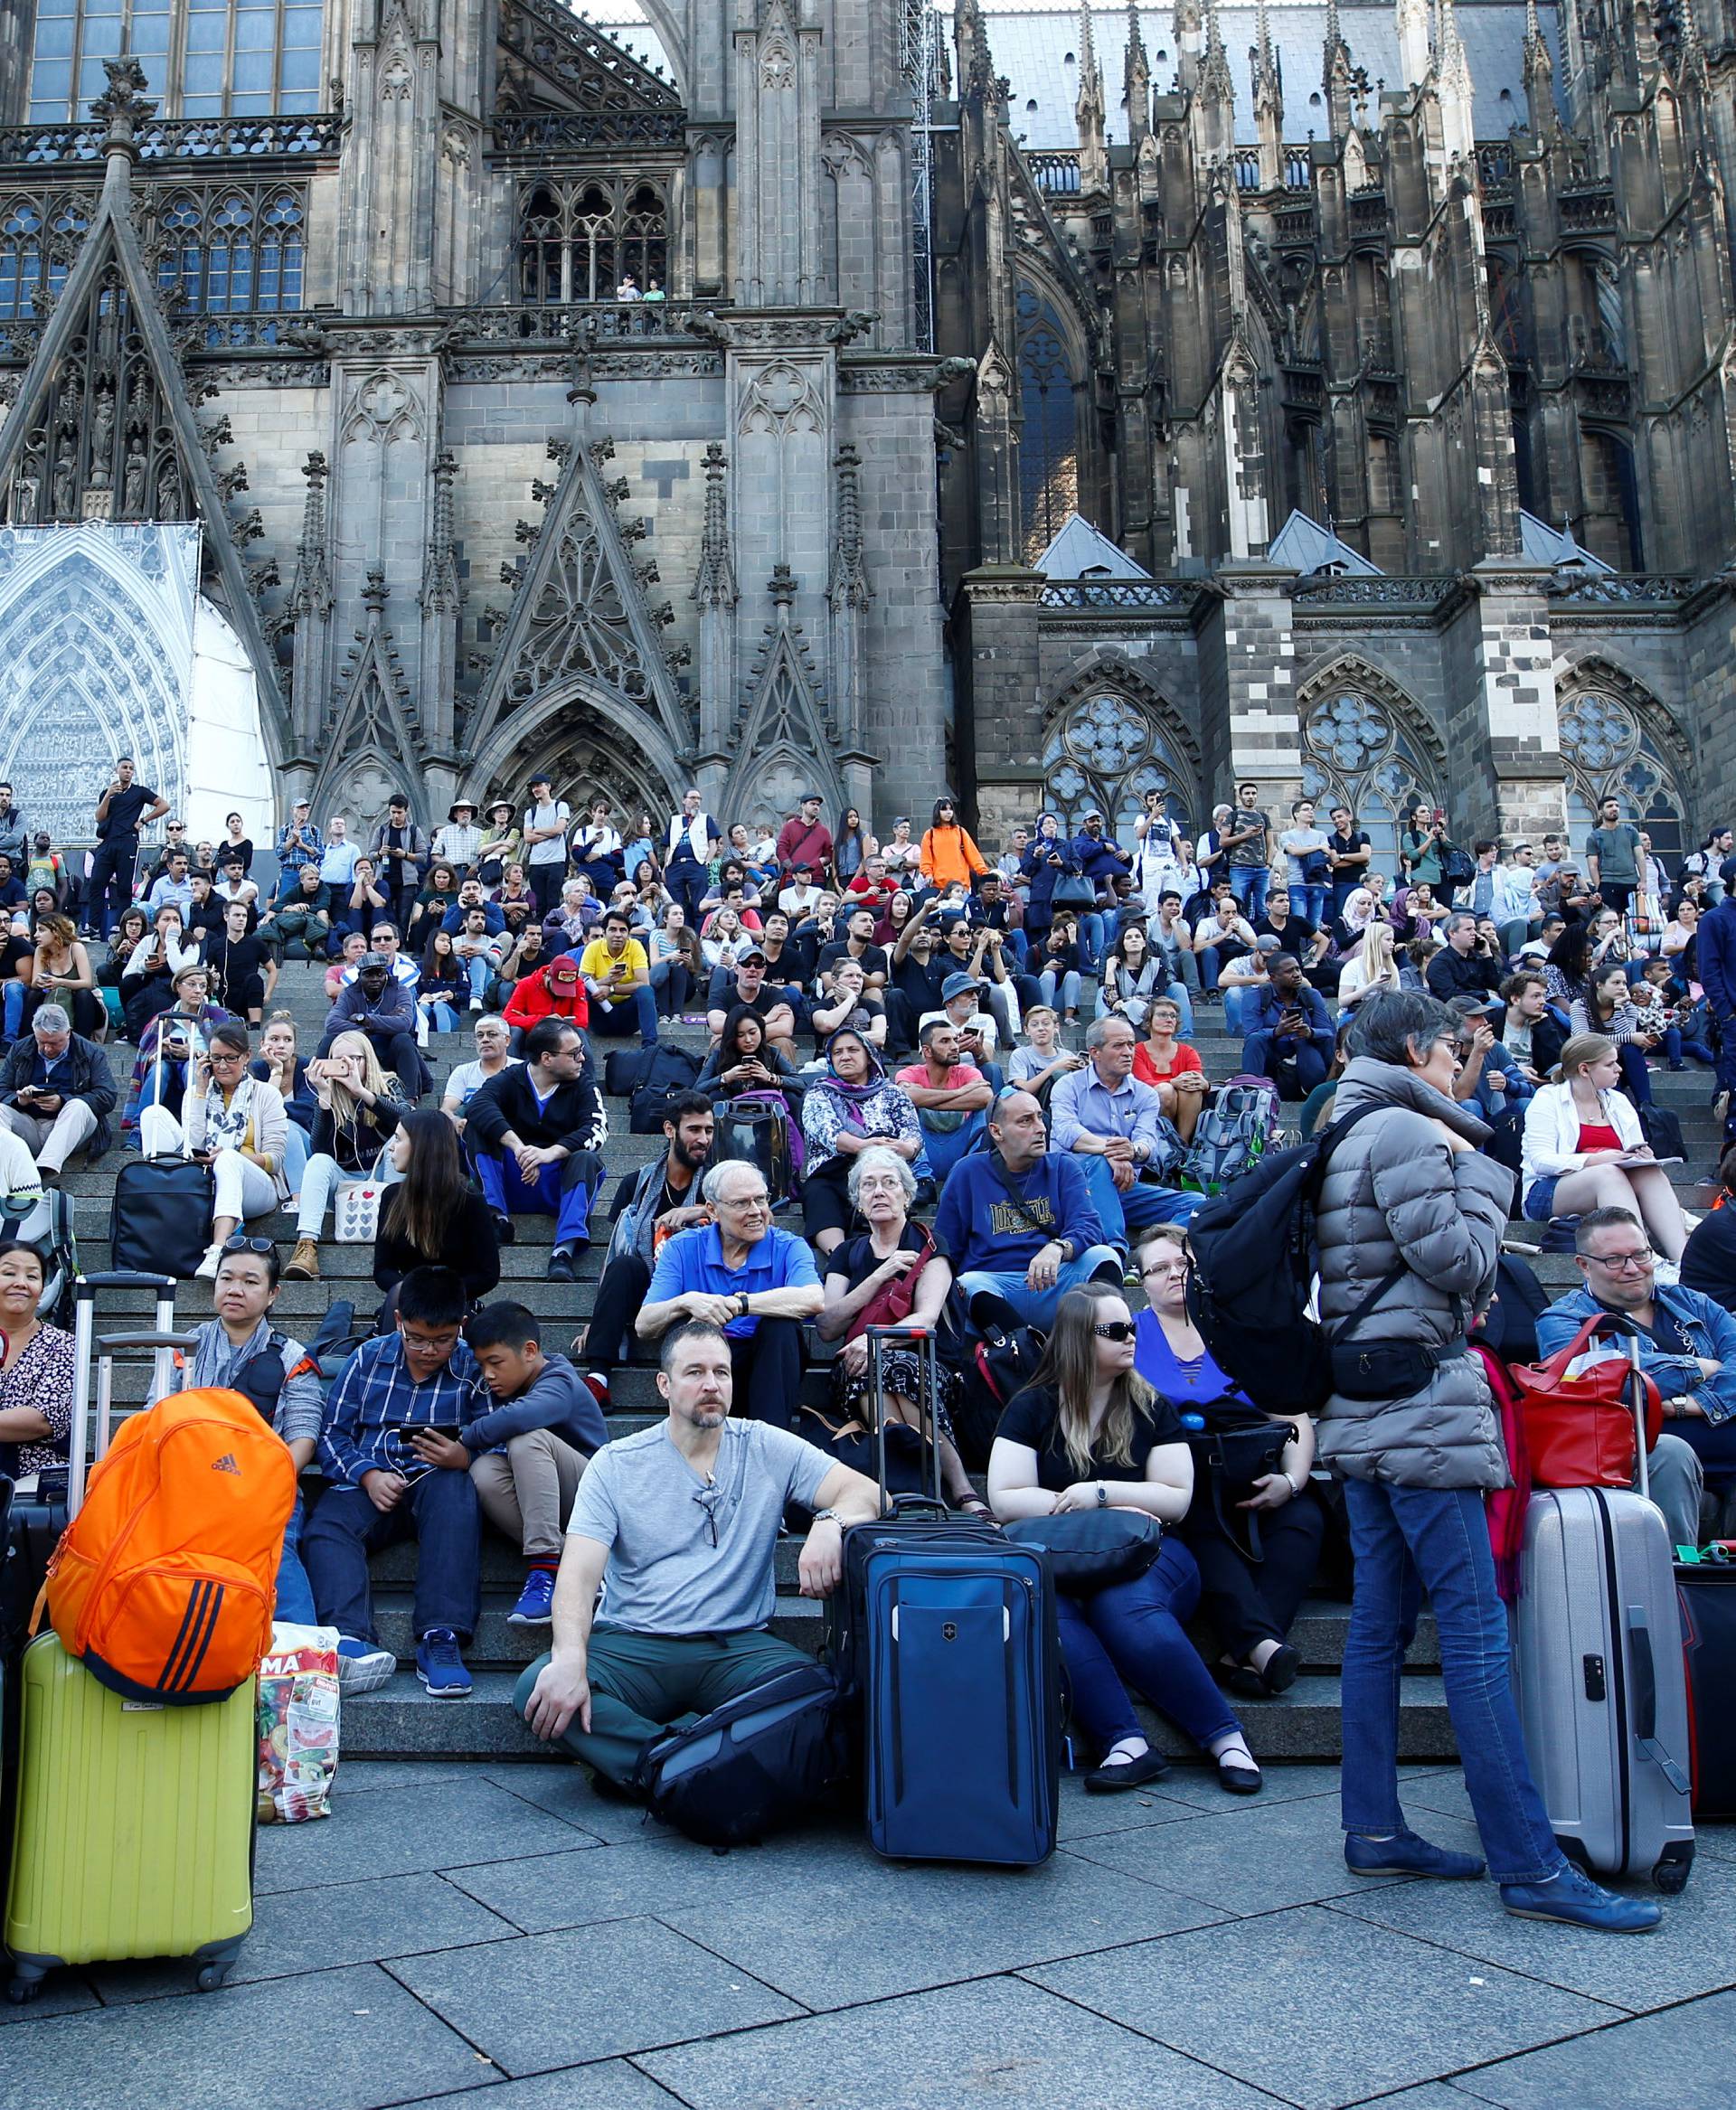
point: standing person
(804, 838)
(399, 849)
(1306, 846)
(852, 846)
(1247, 842)
(460, 839)
(13, 835)
(1348, 855)
(690, 840)
(949, 857)
(1100, 858)
(597, 850)
(338, 862)
(545, 843)
(122, 810)
(1715, 957)
(1612, 857)
(1410, 1190)
(299, 840)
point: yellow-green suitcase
(135, 1825)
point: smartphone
(404, 1430)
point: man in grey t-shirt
(678, 1525)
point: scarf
(227, 1127)
(1358, 909)
(851, 1097)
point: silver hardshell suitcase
(1599, 1671)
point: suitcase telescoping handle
(84, 1345)
(927, 1420)
(1627, 1334)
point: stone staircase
(400, 1721)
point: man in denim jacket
(1687, 1347)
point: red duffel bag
(1579, 1430)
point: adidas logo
(226, 1464)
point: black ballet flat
(1141, 1772)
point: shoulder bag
(1090, 1549)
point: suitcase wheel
(1671, 1874)
(213, 1977)
(26, 1984)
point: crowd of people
(944, 1156)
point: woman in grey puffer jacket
(1406, 1201)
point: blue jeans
(14, 1000)
(1122, 1212)
(477, 971)
(173, 1078)
(1637, 1079)
(1262, 1053)
(1036, 1307)
(1066, 983)
(1248, 883)
(295, 1592)
(1178, 994)
(1090, 941)
(637, 1015)
(1309, 902)
(943, 1147)
(439, 1511)
(1674, 1046)
(1018, 945)
(1407, 1540)
(560, 1190)
(1133, 1633)
(296, 1150)
(1233, 1001)
(440, 1015)
(686, 879)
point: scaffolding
(920, 59)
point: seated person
(37, 1366)
(553, 989)
(1251, 1582)
(1467, 965)
(383, 1011)
(618, 981)
(1583, 1148)
(472, 895)
(528, 1451)
(244, 974)
(744, 1276)
(1530, 1032)
(1667, 1013)
(1043, 1059)
(526, 955)
(493, 1039)
(358, 1111)
(148, 978)
(56, 1093)
(1171, 1069)
(749, 985)
(237, 1123)
(1290, 1031)
(431, 1216)
(851, 1007)
(891, 1276)
(854, 1103)
(1222, 935)
(951, 1098)
(962, 998)
(1490, 1078)
(742, 1061)
(650, 1207)
(352, 950)
(479, 952)
(172, 1041)
(1116, 1126)
(547, 1115)
(1687, 1347)
(1241, 979)
(442, 987)
(857, 944)
(689, 1588)
(390, 1450)
(241, 1350)
(1089, 1432)
(1017, 1221)
(1297, 934)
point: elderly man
(1116, 1125)
(1017, 1221)
(743, 1275)
(299, 840)
(56, 1093)
(1289, 1030)
(1687, 1347)
(678, 1525)
(382, 1009)
(547, 1114)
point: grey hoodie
(560, 1400)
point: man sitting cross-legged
(390, 1449)
(680, 1524)
(545, 1113)
(530, 1449)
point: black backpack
(759, 1762)
(668, 1069)
(1254, 1258)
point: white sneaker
(476, 1003)
(206, 1270)
(362, 1669)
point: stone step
(400, 1721)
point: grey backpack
(1233, 1132)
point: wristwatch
(1102, 1496)
(1066, 1246)
(828, 1516)
(742, 1303)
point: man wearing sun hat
(460, 839)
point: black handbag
(1074, 891)
(1090, 1549)
(1237, 1447)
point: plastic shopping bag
(298, 1718)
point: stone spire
(1540, 74)
(1184, 23)
(1137, 78)
(1216, 99)
(1335, 74)
(1087, 111)
(1269, 104)
(1414, 56)
(1453, 77)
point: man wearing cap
(545, 843)
(399, 850)
(299, 840)
(554, 990)
(804, 838)
(961, 1007)
(460, 839)
(384, 1011)
(1098, 857)
(597, 851)
(771, 1003)
(535, 1131)
(1490, 1077)
(690, 841)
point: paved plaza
(500, 1934)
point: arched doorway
(589, 744)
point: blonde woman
(358, 1111)
(1088, 1433)
(1373, 968)
(1584, 1149)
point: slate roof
(1080, 551)
(1544, 544)
(1305, 543)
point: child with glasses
(234, 1122)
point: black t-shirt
(228, 851)
(123, 809)
(922, 985)
(856, 1258)
(1709, 1264)
(1346, 846)
(761, 1006)
(13, 950)
(1297, 931)
(1032, 1418)
(873, 958)
(233, 965)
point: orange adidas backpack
(162, 1583)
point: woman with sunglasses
(1252, 1586)
(1090, 1433)
(235, 1122)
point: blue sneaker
(440, 1667)
(1404, 1854)
(1573, 1898)
(362, 1667)
(535, 1606)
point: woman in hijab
(854, 1105)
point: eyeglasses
(1114, 1329)
(1638, 1263)
(1159, 1269)
(239, 1242)
(707, 1498)
(226, 1055)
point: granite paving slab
(554, 1999)
(1296, 2002)
(1683, 2059)
(611, 2085)
(408, 1830)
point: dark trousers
(1272, 1054)
(1636, 1077)
(440, 1511)
(113, 865)
(619, 1294)
(1249, 1601)
(687, 881)
(768, 1368)
(546, 881)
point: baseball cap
(565, 969)
(1092, 813)
(752, 953)
(1270, 942)
(810, 798)
(957, 986)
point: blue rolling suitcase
(946, 1636)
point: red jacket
(798, 844)
(533, 999)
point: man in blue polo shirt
(741, 1274)
(1017, 1221)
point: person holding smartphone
(233, 1121)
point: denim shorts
(1540, 1197)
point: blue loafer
(1405, 1854)
(1574, 1900)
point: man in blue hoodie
(1100, 857)
(527, 1453)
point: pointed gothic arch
(587, 738)
(1109, 737)
(1367, 744)
(1619, 740)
